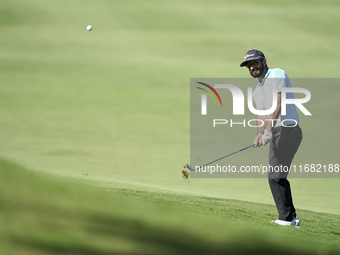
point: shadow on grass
(50, 217)
(151, 239)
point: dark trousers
(285, 143)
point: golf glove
(266, 137)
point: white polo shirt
(275, 79)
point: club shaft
(227, 155)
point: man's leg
(285, 143)
(283, 198)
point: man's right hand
(257, 140)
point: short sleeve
(279, 79)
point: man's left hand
(266, 137)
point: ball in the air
(89, 28)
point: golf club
(190, 168)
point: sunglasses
(251, 63)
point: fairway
(108, 112)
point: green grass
(110, 108)
(40, 215)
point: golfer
(282, 130)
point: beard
(257, 72)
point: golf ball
(89, 28)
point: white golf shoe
(295, 222)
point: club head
(189, 167)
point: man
(283, 131)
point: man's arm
(275, 115)
(269, 124)
(260, 129)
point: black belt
(278, 130)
